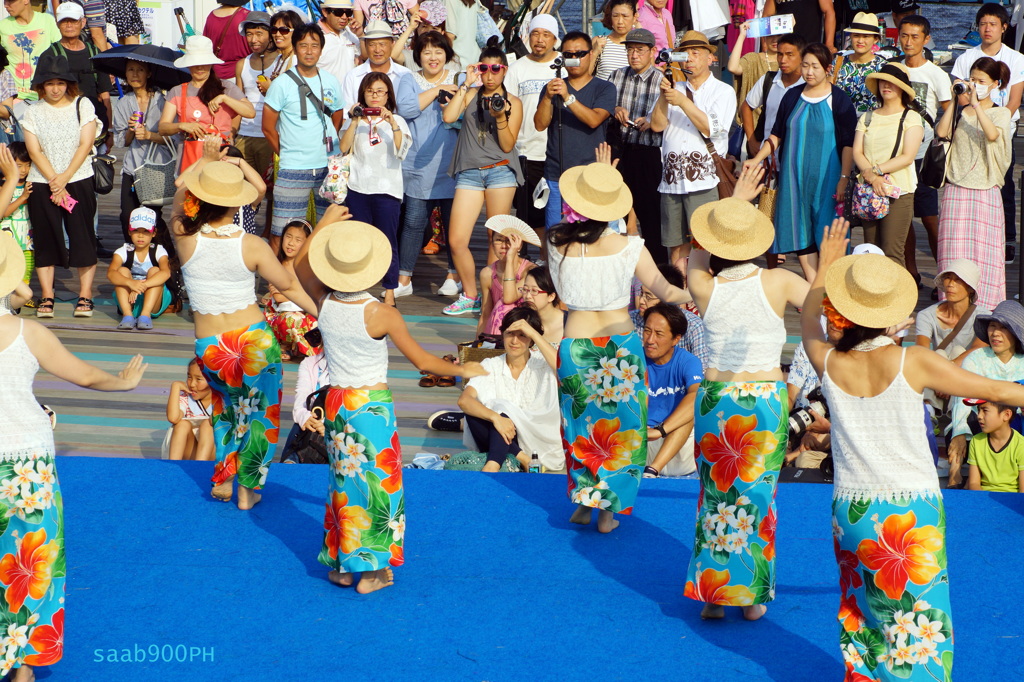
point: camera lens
(960, 88)
(497, 102)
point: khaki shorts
(257, 152)
(676, 211)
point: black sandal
(44, 307)
(86, 303)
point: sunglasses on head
(339, 12)
(282, 30)
(578, 54)
(495, 68)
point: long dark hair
(583, 232)
(207, 213)
(210, 89)
(374, 77)
(854, 335)
(489, 126)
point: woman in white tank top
(240, 356)
(365, 517)
(742, 409)
(888, 519)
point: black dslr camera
(496, 102)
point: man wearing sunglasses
(586, 104)
(341, 45)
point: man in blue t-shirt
(673, 376)
(586, 103)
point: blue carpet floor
(496, 586)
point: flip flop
(429, 380)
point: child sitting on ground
(996, 455)
(188, 409)
(15, 219)
(289, 322)
(138, 272)
(500, 281)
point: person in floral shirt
(853, 71)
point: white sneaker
(403, 290)
(449, 288)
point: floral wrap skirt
(364, 523)
(894, 615)
(243, 367)
(741, 430)
(602, 392)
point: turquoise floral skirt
(894, 615)
(364, 523)
(602, 390)
(243, 367)
(740, 429)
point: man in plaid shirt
(633, 142)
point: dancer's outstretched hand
(748, 185)
(833, 243)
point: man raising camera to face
(586, 104)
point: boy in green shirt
(996, 455)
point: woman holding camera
(379, 141)
(485, 164)
(971, 223)
(427, 183)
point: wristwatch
(660, 429)
(569, 101)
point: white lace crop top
(354, 358)
(216, 277)
(742, 331)
(595, 282)
(879, 444)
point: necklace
(350, 296)
(222, 231)
(735, 272)
(872, 344)
(440, 77)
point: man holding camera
(698, 109)
(637, 147)
(585, 103)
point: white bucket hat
(198, 52)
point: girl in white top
(740, 425)
(601, 365)
(240, 356)
(888, 518)
(336, 266)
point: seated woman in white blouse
(513, 410)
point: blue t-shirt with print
(302, 142)
(668, 383)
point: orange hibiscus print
(606, 447)
(852, 676)
(344, 525)
(397, 555)
(903, 552)
(713, 588)
(273, 415)
(350, 399)
(767, 533)
(390, 461)
(48, 641)
(239, 352)
(222, 471)
(740, 452)
(848, 565)
(27, 573)
(850, 614)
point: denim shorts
(480, 179)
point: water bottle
(534, 464)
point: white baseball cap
(70, 10)
(142, 218)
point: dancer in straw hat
(888, 520)
(364, 525)
(601, 368)
(740, 424)
(32, 561)
(240, 356)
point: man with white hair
(378, 41)
(342, 45)
(526, 79)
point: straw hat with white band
(871, 290)
(596, 191)
(349, 256)
(732, 229)
(222, 184)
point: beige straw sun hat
(894, 73)
(507, 224)
(349, 255)
(222, 184)
(871, 290)
(12, 263)
(732, 229)
(596, 191)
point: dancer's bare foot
(341, 579)
(371, 581)
(606, 521)
(223, 491)
(754, 612)
(247, 498)
(24, 674)
(712, 612)
(582, 515)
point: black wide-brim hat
(53, 66)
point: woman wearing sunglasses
(341, 45)
(485, 165)
(282, 24)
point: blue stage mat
(498, 585)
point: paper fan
(503, 224)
